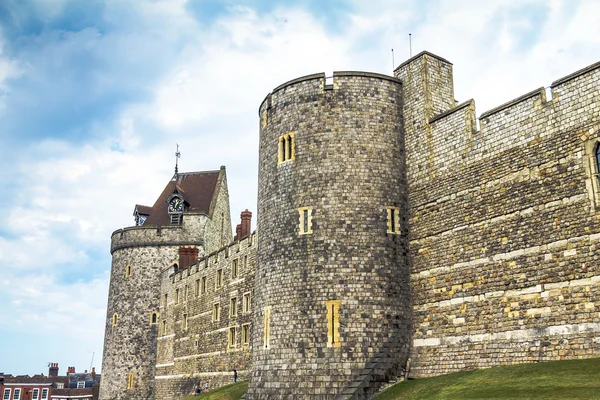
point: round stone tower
(332, 292)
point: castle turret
(192, 213)
(332, 284)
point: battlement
(228, 251)
(454, 139)
(191, 232)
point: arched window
(115, 319)
(153, 318)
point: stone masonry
(395, 236)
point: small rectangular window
(216, 312)
(333, 323)
(197, 288)
(231, 337)
(185, 322)
(305, 221)
(176, 296)
(393, 220)
(165, 301)
(164, 327)
(246, 334)
(185, 293)
(233, 307)
(245, 261)
(219, 278)
(17, 394)
(267, 327)
(130, 380)
(234, 269)
(44, 394)
(246, 302)
(203, 287)
(80, 384)
(6, 395)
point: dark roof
(196, 188)
(26, 379)
(145, 210)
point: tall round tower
(332, 286)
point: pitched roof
(196, 188)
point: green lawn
(576, 379)
(230, 392)
(555, 380)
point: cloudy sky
(94, 95)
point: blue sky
(94, 95)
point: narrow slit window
(305, 222)
(164, 327)
(233, 307)
(219, 278)
(197, 288)
(185, 322)
(130, 380)
(393, 220)
(216, 312)
(333, 323)
(128, 270)
(165, 298)
(267, 327)
(598, 161)
(185, 293)
(203, 287)
(246, 302)
(234, 269)
(115, 319)
(246, 334)
(231, 338)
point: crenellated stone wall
(201, 352)
(503, 232)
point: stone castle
(395, 237)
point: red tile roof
(197, 189)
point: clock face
(175, 205)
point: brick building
(395, 235)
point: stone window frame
(128, 270)
(592, 172)
(153, 318)
(286, 148)
(305, 228)
(203, 286)
(267, 327)
(219, 278)
(333, 323)
(231, 337)
(235, 268)
(115, 319)
(392, 219)
(130, 380)
(247, 302)
(233, 303)
(216, 315)
(245, 335)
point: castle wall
(503, 232)
(201, 352)
(130, 345)
(347, 166)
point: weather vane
(177, 156)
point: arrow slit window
(333, 322)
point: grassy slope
(576, 379)
(229, 392)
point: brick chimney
(246, 223)
(53, 370)
(187, 256)
(94, 374)
(71, 370)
